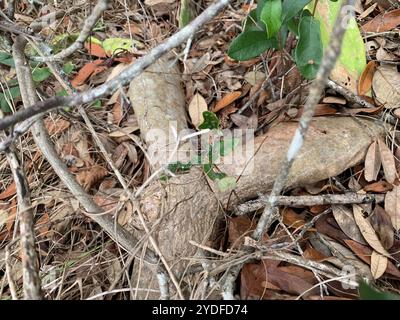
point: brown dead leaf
(122, 132)
(379, 264)
(197, 106)
(95, 49)
(319, 208)
(365, 81)
(87, 178)
(378, 187)
(9, 192)
(328, 226)
(392, 206)
(254, 77)
(386, 86)
(12, 214)
(320, 110)
(227, 100)
(368, 231)
(334, 100)
(380, 221)
(383, 22)
(292, 219)
(56, 126)
(239, 228)
(388, 163)
(372, 162)
(43, 225)
(314, 255)
(118, 157)
(345, 219)
(365, 252)
(107, 202)
(87, 71)
(364, 110)
(251, 279)
(115, 71)
(117, 111)
(291, 283)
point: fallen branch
(124, 78)
(349, 96)
(309, 200)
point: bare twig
(350, 96)
(125, 77)
(309, 200)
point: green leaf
(62, 93)
(209, 170)
(251, 23)
(249, 45)
(68, 68)
(185, 13)
(40, 74)
(367, 292)
(308, 52)
(115, 45)
(282, 36)
(293, 25)
(179, 167)
(97, 104)
(7, 59)
(226, 184)
(211, 121)
(9, 95)
(271, 15)
(226, 146)
(64, 40)
(291, 8)
(260, 6)
(352, 59)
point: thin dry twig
(308, 200)
(350, 96)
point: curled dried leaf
(379, 264)
(392, 206)
(372, 162)
(368, 231)
(388, 163)
(345, 219)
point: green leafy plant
(367, 292)
(267, 27)
(220, 148)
